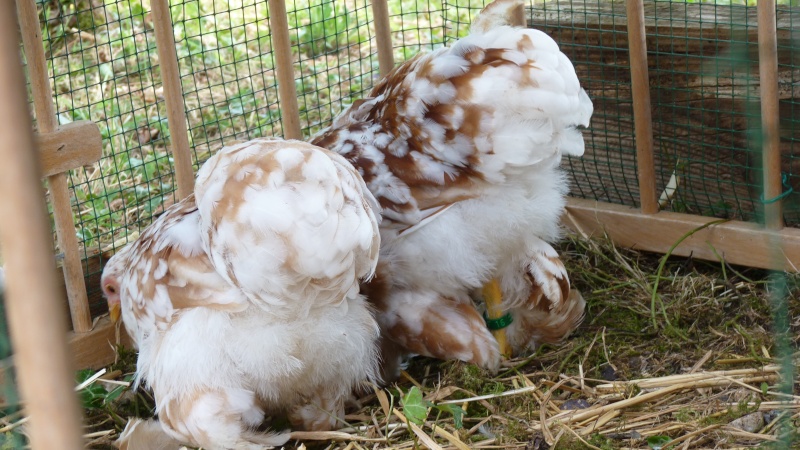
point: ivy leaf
(456, 411)
(657, 442)
(414, 407)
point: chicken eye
(111, 289)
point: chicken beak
(114, 312)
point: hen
(243, 299)
(462, 148)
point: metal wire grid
(789, 89)
(337, 60)
(704, 107)
(417, 25)
(107, 75)
(226, 63)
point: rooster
(243, 299)
(462, 148)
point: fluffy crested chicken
(243, 299)
(462, 148)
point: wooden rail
(173, 95)
(284, 69)
(32, 301)
(383, 36)
(770, 114)
(57, 182)
(640, 85)
(742, 243)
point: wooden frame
(35, 319)
(645, 228)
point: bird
(461, 146)
(243, 299)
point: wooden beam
(383, 36)
(742, 243)
(96, 348)
(59, 186)
(33, 306)
(69, 146)
(284, 68)
(640, 85)
(770, 116)
(173, 95)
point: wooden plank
(32, 305)
(640, 86)
(69, 146)
(96, 348)
(770, 114)
(741, 243)
(383, 36)
(284, 69)
(59, 187)
(173, 95)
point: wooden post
(770, 116)
(284, 68)
(59, 188)
(383, 36)
(36, 323)
(173, 94)
(640, 86)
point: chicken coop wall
(168, 86)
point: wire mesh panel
(103, 68)
(789, 92)
(417, 25)
(703, 85)
(336, 57)
(227, 70)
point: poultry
(461, 147)
(243, 299)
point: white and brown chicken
(462, 148)
(243, 299)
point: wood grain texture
(173, 95)
(770, 113)
(383, 36)
(743, 243)
(69, 147)
(643, 121)
(284, 68)
(59, 187)
(32, 304)
(97, 348)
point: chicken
(462, 148)
(243, 299)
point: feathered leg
(219, 419)
(537, 293)
(323, 411)
(425, 323)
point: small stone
(609, 374)
(537, 442)
(575, 403)
(770, 416)
(750, 423)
